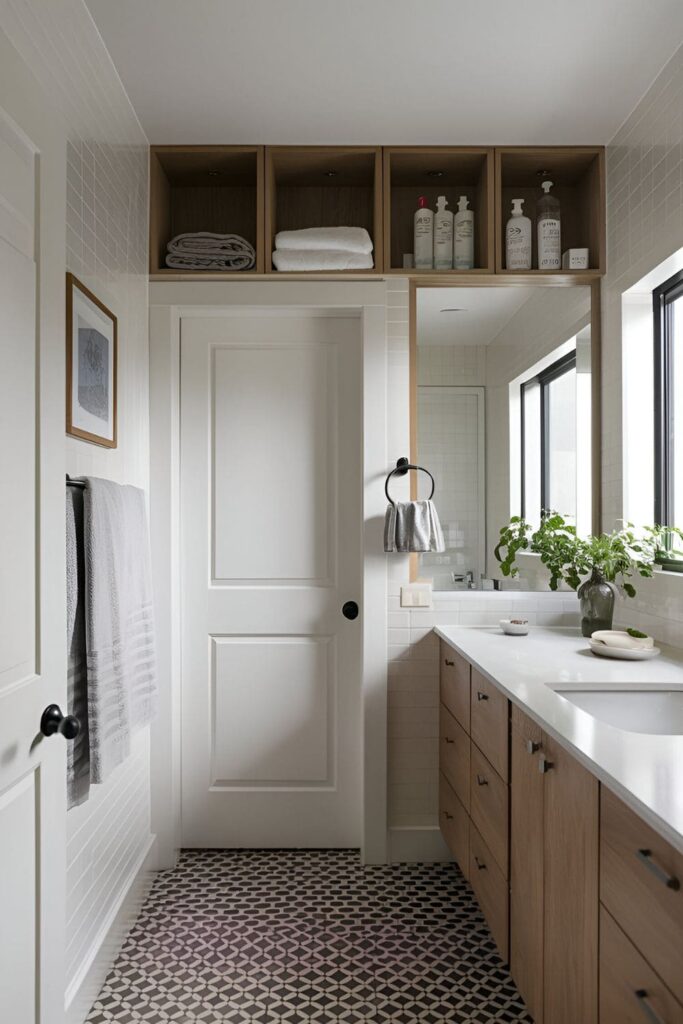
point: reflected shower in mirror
(503, 405)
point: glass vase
(596, 599)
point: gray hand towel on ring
(412, 526)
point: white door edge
(317, 299)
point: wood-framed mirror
(504, 412)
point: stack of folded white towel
(323, 249)
(204, 250)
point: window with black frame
(549, 441)
(668, 364)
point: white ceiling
(387, 71)
(483, 314)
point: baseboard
(85, 987)
(422, 844)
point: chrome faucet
(464, 577)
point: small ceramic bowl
(515, 627)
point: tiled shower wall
(107, 211)
(644, 227)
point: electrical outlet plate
(416, 595)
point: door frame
(170, 303)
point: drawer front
(489, 723)
(454, 755)
(487, 880)
(641, 884)
(455, 825)
(489, 807)
(630, 991)
(455, 684)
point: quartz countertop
(645, 771)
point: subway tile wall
(107, 214)
(644, 227)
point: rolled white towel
(339, 239)
(320, 259)
(620, 638)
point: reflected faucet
(464, 577)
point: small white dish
(624, 653)
(515, 627)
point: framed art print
(91, 358)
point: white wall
(107, 212)
(644, 227)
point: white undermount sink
(657, 712)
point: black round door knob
(350, 610)
(52, 721)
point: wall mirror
(504, 397)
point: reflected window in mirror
(555, 435)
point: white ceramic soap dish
(623, 653)
(515, 627)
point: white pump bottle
(443, 236)
(518, 239)
(463, 247)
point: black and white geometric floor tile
(308, 937)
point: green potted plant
(590, 565)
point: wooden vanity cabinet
(554, 878)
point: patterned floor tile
(307, 937)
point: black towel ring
(402, 467)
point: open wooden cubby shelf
(578, 177)
(256, 191)
(324, 186)
(410, 172)
(205, 188)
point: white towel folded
(622, 639)
(339, 239)
(321, 259)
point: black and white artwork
(91, 367)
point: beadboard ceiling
(466, 316)
(387, 71)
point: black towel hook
(402, 467)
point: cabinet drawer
(641, 879)
(489, 806)
(630, 991)
(455, 684)
(455, 825)
(489, 722)
(454, 755)
(487, 880)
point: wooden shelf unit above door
(256, 191)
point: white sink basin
(657, 712)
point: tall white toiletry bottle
(549, 235)
(518, 239)
(423, 246)
(463, 234)
(443, 236)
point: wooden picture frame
(91, 367)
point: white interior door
(32, 769)
(271, 521)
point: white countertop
(645, 771)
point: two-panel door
(32, 626)
(271, 567)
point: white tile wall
(107, 212)
(644, 227)
(452, 364)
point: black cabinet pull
(482, 780)
(670, 881)
(647, 1007)
(480, 865)
(449, 663)
(350, 610)
(482, 696)
(448, 739)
